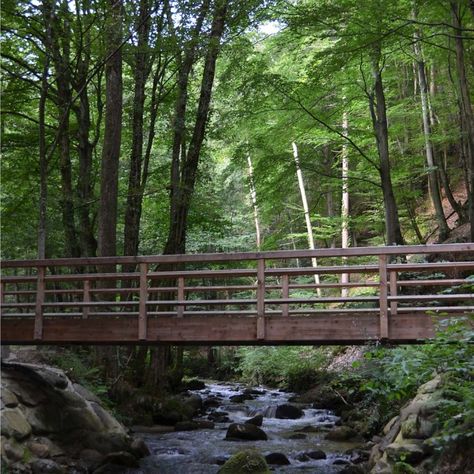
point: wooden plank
(86, 299)
(40, 287)
(245, 256)
(285, 294)
(180, 308)
(393, 293)
(321, 329)
(383, 293)
(142, 311)
(261, 299)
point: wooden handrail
(245, 256)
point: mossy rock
(247, 461)
(403, 468)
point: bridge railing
(388, 282)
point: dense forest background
(178, 126)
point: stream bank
(304, 438)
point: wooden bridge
(396, 295)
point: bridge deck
(241, 298)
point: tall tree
(185, 162)
(107, 234)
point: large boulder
(48, 421)
(245, 432)
(406, 438)
(288, 412)
(243, 462)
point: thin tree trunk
(304, 200)
(378, 112)
(466, 108)
(433, 180)
(43, 164)
(57, 41)
(345, 202)
(253, 197)
(141, 71)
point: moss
(403, 468)
(247, 461)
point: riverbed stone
(341, 433)
(9, 399)
(86, 394)
(39, 450)
(256, 420)
(91, 458)
(46, 466)
(121, 458)
(245, 432)
(316, 454)
(277, 459)
(13, 450)
(417, 427)
(139, 448)
(288, 412)
(14, 424)
(243, 462)
(409, 451)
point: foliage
(293, 367)
(394, 375)
(79, 367)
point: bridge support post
(285, 294)
(180, 308)
(40, 287)
(86, 298)
(393, 293)
(383, 297)
(260, 299)
(142, 313)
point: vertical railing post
(260, 299)
(86, 298)
(2, 292)
(180, 296)
(285, 294)
(40, 287)
(383, 294)
(393, 293)
(142, 312)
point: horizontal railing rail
(253, 291)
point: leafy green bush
(392, 376)
(292, 367)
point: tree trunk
(57, 41)
(378, 112)
(466, 108)
(345, 202)
(135, 195)
(253, 197)
(43, 164)
(433, 179)
(107, 242)
(304, 200)
(184, 176)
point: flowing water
(201, 451)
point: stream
(202, 451)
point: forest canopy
(148, 127)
